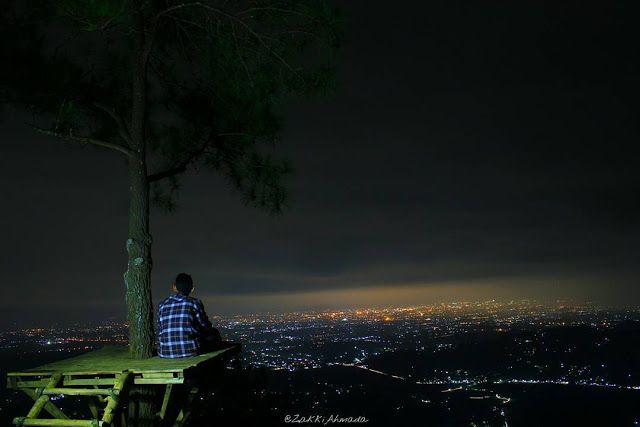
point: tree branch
(235, 18)
(181, 167)
(274, 9)
(70, 137)
(184, 5)
(244, 64)
(122, 127)
(169, 172)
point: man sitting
(183, 326)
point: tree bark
(138, 275)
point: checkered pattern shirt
(181, 321)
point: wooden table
(105, 376)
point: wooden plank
(29, 373)
(56, 423)
(30, 384)
(117, 359)
(76, 391)
(158, 381)
(89, 381)
(158, 374)
(146, 378)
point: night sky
(471, 150)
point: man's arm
(202, 320)
(157, 334)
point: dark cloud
(465, 142)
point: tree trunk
(142, 409)
(138, 275)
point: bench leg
(165, 401)
(185, 411)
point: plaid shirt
(181, 321)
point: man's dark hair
(184, 283)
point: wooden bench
(105, 376)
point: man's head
(183, 284)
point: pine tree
(169, 85)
